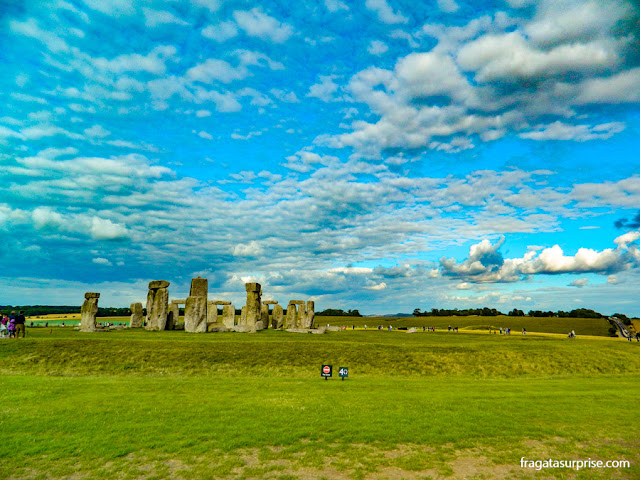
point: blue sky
(375, 154)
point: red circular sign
(326, 369)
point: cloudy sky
(383, 155)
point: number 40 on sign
(343, 372)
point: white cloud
(379, 286)
(203, 113)
(216, 70)
(153, 18)
(376, 47)
(256, 23)
(30, 28)
(97, 131)
(250, 249)
(385, 12)
(581, 133)
(448, 6)
(206, 135)
(324, 90)
(579, 282)
(102, 261)
(105, 229)
(335, 5)
(220, 32)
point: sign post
(343, 372)
(326, 371)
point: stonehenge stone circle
(88, 312)
(157, 305)
(277, 317)
(243, 316)
(137, 317)
(253, 303)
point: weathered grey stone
(243, 315)
(259, 325)
(228, 316)
(240, 329)
(264, 316)
(195, 315)
(137, 317)
(88, 312)
(297, 302)
(319, 330)
(199, 287)
(155, 284)
(301, 316)
(277, 317)
(253, 303)
(311, 314)
(332, 329)
(306, 316)
(269, 302)
(308, 330)
(181, 301)
(212, 312)
(219, 302)
(157, 307)
(216, 327)
(173, 316)
(290, 320)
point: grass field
(135, 404)
(582, 326)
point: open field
(136, 404)
(582, 326)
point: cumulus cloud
(485, 264)
(256, 23)
(324, 90)
(376, 47)
(579, 282)
(250, 249)
(384, 12)
(102, 261)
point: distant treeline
(492, 312)
(334, 312)
(39, 310)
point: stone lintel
(155, 284)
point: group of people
(12, 325)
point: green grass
(582, 326)
(136, 404)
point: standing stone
(277, 317)
(157, 305)
(310, 314)
(199, 287)
(264, 316)
(137, 318)
(253, 303)
(195, 315)
(243, 315)
(173, 316)
(88, 312)
(212, 312)
(290, 321)
(228, 316)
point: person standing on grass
(3, 325)
(20, 327)
(11, 325)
